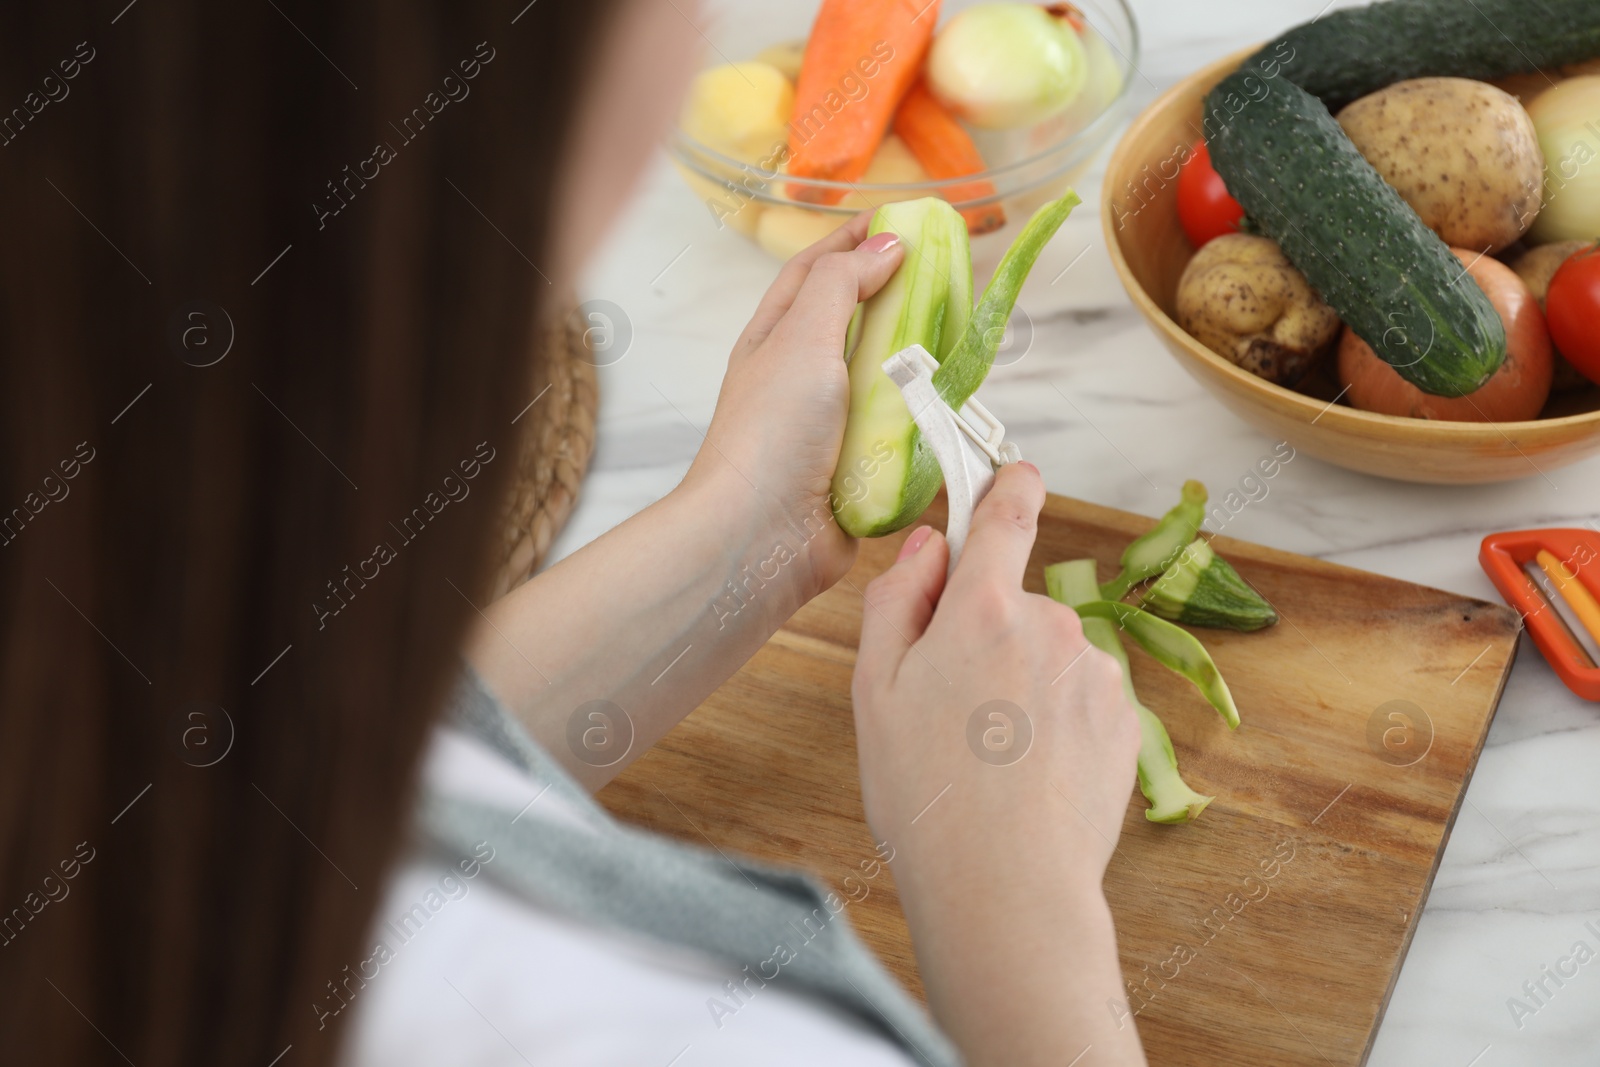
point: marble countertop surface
(1519, 883)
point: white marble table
(1520, 878)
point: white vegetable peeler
(969, 444)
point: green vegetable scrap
(1171, 799)
(1173, 647)
(1151, 554)
(1202, 589)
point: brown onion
(1515, 392)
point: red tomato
(1204, 206)
(1572, 308)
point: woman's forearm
(1018, 982)
(638, 627)
(606, 651)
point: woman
(271, 276)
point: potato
(1462, 153)
(1242, 298)
(1536, 267)
(736, 207)
(785, 57)
(739, 109)
(783, 230)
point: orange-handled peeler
(1552, 578)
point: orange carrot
(1572, 589)
(861, 58)
(945, 151)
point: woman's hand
(997, 756)
(932, 656)
(774, 440)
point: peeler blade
(968, 444)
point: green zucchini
(1202, 589)
(1390, 278)
(886, 475)
(1349, 53)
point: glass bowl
(1027, 166)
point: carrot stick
(861, 58)
(945, 151)
(1577, 595)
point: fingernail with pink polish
(879, 242)
(1030, 466)
(914, 543)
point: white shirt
(474, 975)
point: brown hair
(240, 345)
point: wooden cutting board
(1268, 932)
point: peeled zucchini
(886, 476)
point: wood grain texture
(1268, 932)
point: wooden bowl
(1139, 213)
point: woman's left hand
(774, 441)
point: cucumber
(1349, 53)
(1390, 278)
(1303, 183)
(886, 475)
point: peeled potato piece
(784, 230)
(785, 57)
(739, 109)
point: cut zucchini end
(1201, 588)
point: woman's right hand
(997, 755)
